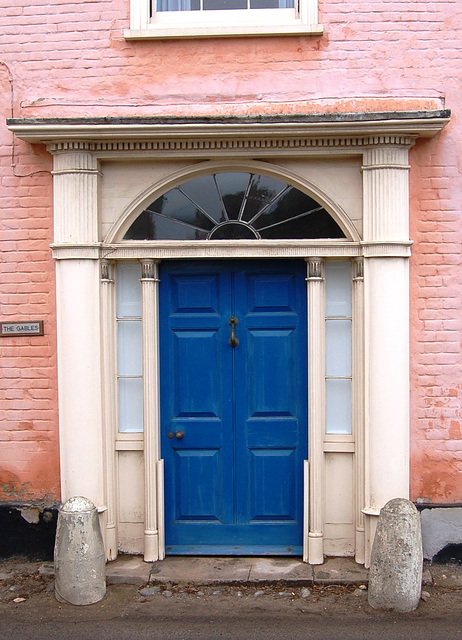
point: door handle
(179, 435)
(233, 321)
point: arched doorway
(233, 364)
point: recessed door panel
(233, 405)
(271, 351)
(272, 485)
(199, 489)
(198, 394)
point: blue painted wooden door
(233, 418)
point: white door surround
(86, 246)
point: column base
(315, 548)
(151, 546)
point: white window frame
(303, 19)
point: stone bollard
(395, 577)
(80, 567)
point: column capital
(75, 196)
(107, 268)
(149, 270)
(75, 161)
(386, 194)
(315, 268)
(358, 268)
(386, 157)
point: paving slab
(261, 570)
(128, 570)
(202, 571)
(340, 571)
(288, 570)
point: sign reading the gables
(21, 328)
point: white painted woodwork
(386, 312)
(386, 302)
(358, 404)
(109, 403)
(302, 19)
(79, 379)
(339, 504)
(386, 193)
(151, 412)
(75, 198)
(131, 474)
(316, 406)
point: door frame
(313, 520)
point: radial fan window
(234, 205)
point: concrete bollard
(80, 567)
(395, 577)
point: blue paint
(234, 482)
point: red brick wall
(29, 468)
(436, 320)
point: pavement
(176, 570)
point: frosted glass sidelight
(338, 289)
(130, 405)
(129, 348)
(338, 347)
(338, 406)
(129, 290)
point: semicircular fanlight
(234, 205)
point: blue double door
(233, 406)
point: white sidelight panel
(129, 348)
(338, 348)
(129, 290)
(338, 406)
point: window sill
(211, 31)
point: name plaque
(21, 329)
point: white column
(152, 465)
(386, 303)
(79, 380)
(358, 403)
(316, 408)
(75, 184)
(109, 405)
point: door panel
(234, 481)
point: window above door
(221, 18)
(233, 205)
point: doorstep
(218, 570)
(212, 570)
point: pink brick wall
(29, 469)
(70, 59)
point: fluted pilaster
(151, 406)
(386, 193)
(109, 404)
(75, 189)
(358, 402)
(316, 406)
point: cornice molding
(237, 143)
(229, 249)
(120, 136)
